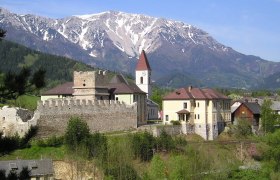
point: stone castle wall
(100, 115)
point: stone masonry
(100, 115)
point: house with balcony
(207, 110)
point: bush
(52, 141)
(76, 134)
(8, 144)
(143, 145)
(97, 146)
(175, 122)
(2, 174)
(165, 142)
(243, 128)
(122, 172)
(25, 140)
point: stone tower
(91, 85)
(143, 74)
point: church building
(96, 85)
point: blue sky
(248, 26)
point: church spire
(143, 63)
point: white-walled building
(207, 110)
(143, 75)
(14, 120)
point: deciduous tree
(76, 134)
(268, 117)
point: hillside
(271, 82)
(58, 69)
(113, 40)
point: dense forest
(13, 57)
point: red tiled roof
(143, 63)
(63, 89)
(194, 93)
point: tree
(77, 133)
(2, 34)
(3, 174)
(268, 117)
(273, 152)
(24, 174)
(143, 145)
(243, 128)
(15, 85)
(97, 146)
(12, 175)
(165, 142)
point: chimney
(190, 88)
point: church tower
(143, 74)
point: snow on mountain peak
(130, 33)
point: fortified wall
(100, 115)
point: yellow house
(205, 109)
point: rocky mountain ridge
(113, 40)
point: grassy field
(36, 152)
(24, 101)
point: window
(141, 80)
(166, 117)
(198, 116)
(195, 116)
(198, 104)
(117, 98)
(185, 105)
(3, 118)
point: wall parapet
(90, 106)
(100, 115)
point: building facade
(207, 110)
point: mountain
(271, 82)
(113, 40)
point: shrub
(122, 172)
(77, 132)
(243, 128)
(8, 144)
(143, 145)
(52, 141)
(2, 174)
(175, 122)
(25, 140)
(97, 146)
(165, 141)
